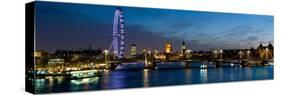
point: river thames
(135, 78)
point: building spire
(270, 45)
(260, 46)
(90, 46)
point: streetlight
(145, 58)
(240, 54)
(215, 53)
(266, 53)
(248, 54)
(188, 53)
(106, 52)
(149, 52)
(221, 51)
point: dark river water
(136, 78)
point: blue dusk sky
(74, 26)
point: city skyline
(72, 26)
(81, 47)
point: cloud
(242, 36)
(252, 38)
(173, 29)
(180, 25)
(238, 31)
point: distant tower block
(183, 47)
(133, 50)
(118, 34)
(168, 47)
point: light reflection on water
(188, 75)
(83, 83)
(147, 78)
(204, 75)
